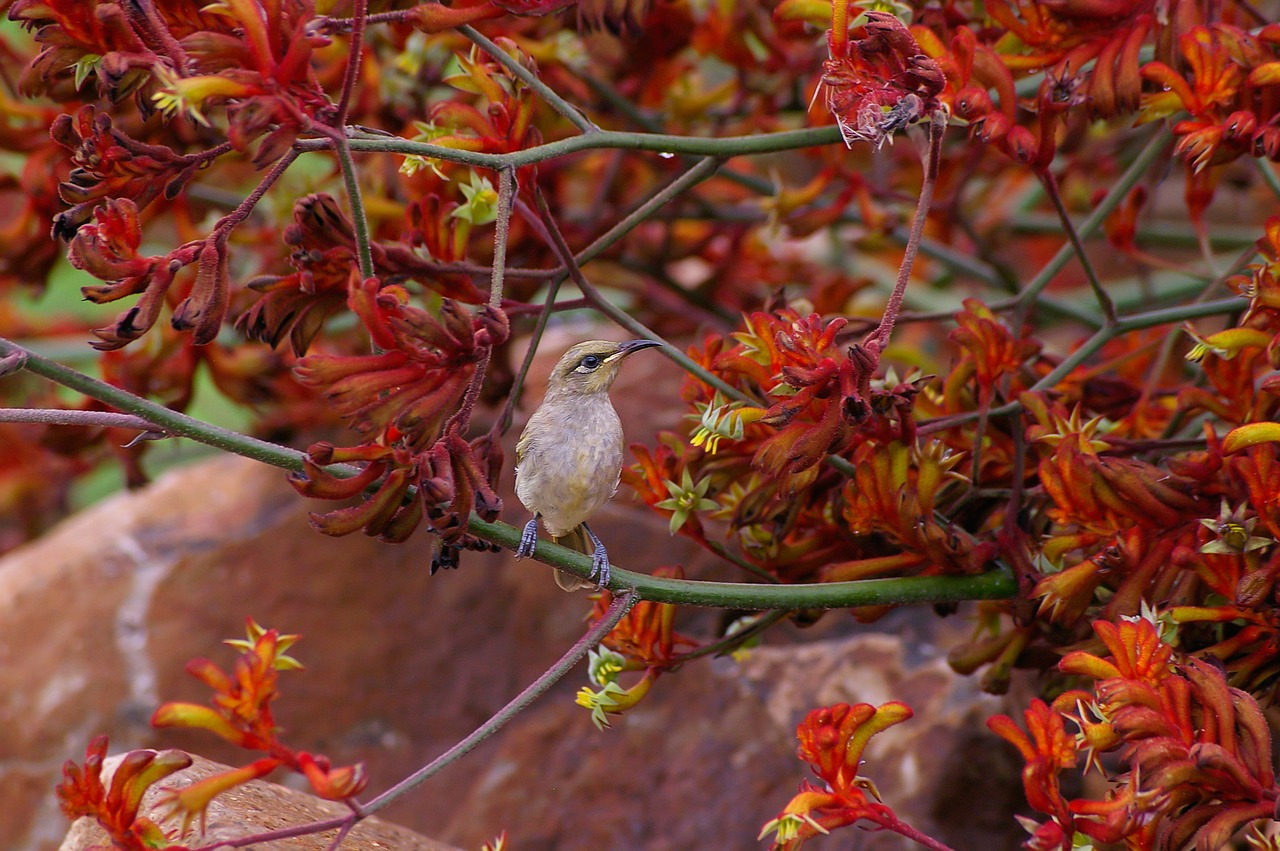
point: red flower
(240, 713)
(82, 793)
(880, 83)
(1048, 751)
(832, 740)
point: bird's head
(591, 367)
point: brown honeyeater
(569, 458)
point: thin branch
(731, 557)
(160, 417)
(506, 200)
(723, 147)
(618, 315)
(246, 207)
(539, 328)
(598, 246)
(359, 221)
(1268, 172)
(355, 54)
(591, 639)
(336, 823)
(1089, 348)
(343, 25)
(732, 641)
(523, 309)
(937, 125)
(1141, 163)
(1152, 233)
(961, 264)
(342, 834)
(1050, 183)
(1167, 345)
(58, 416)
(461, 418)
(900, 827)
(559, 104)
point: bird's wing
(523, 444)
(527, 440)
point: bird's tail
(578, 541)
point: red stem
(880, 340)
(903, 829)
(358, 21)
(245, 207)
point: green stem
(1146, 157)
(728, 146)
(60, 416)
(559, 104)
(1050, 183)
(359, 221)
(732, 642)
(995, 584)
(620, 317)
(179, 425)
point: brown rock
(709, 756)
(254, 808)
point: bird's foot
(599, 560)
(528, 539)
(599, 566)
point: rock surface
(99, 617)
(256, 808)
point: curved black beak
(632, 346)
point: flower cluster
(83, 792)
(1194, 753)
(644, 640)
(765, 468)
(404, 401)
(832, 741)
(240, 713)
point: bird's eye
(589, 362)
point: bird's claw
(528, 539)
(599, 566)
(599, 560)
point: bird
(569, 456)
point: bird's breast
(571, 464)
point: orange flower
(82, 793)
(832, 740)
(1047, 750)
